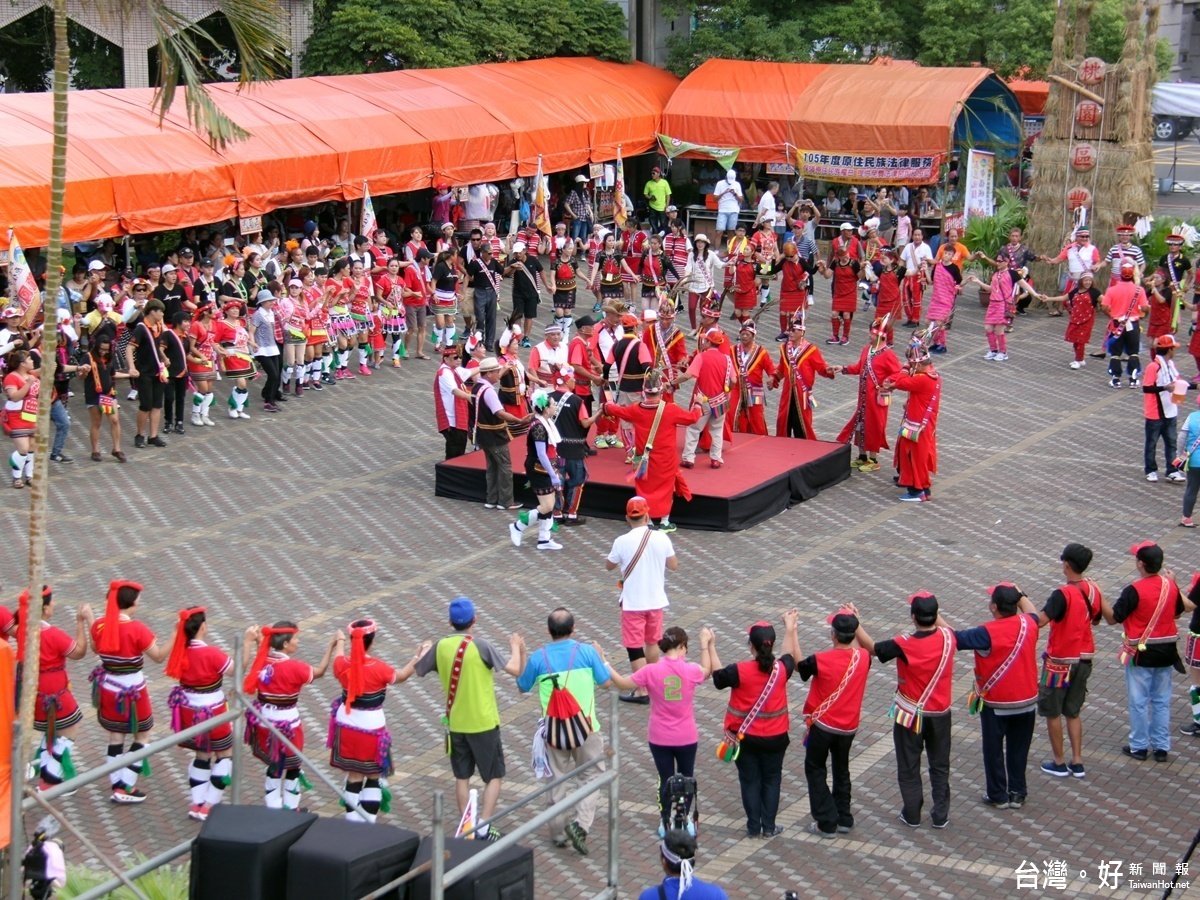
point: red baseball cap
(636, 507)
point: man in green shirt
(658, 194)
(466, 663)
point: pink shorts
(641, 628)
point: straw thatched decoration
(1122, 182)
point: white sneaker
(207, 421)
(991, 354)
(1082, 363)
(132, 395)
(197, 421)
(243, 415)
(1176, 476)
(1152, 476)
(549, 545)
(514, 533)
(233, 414)
(1001, 357)
(1076, 364)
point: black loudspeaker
(340, 860)
(242, 851)
(507, 877)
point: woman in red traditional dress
(868, 425)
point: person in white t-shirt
(766, 205)
(729, 202)
(643, 557)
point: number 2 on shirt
(672, 688)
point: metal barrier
(26, 798)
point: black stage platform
(762, 477)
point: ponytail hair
(672, 639)
(762, 639)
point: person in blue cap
(466, 665)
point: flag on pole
(539, 211)
(25, 288)
(369, 225)
(620, 213)
(466, 824)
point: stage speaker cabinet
(340, 860)
(242, 851)
(507, 877)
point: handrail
(137, 871)
(524, 801)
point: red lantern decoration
(1083, 157)
(1079, 197)
(1088, 113)
(1092, 70)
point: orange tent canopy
(768, 109)
(318, 139)
(1032, 95)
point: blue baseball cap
(462, 612)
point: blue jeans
(62, 426)
(581, 228)
(1149, 693)
(1155, 429)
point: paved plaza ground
(326, 512)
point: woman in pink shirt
(671, 683)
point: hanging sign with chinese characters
(1083, 157)
(854, 168)
(1092, 70)
(1079, 197)
(1088, 113)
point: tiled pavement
(327, 511)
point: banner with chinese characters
(854, 168)
(981, 178)
(673, 147)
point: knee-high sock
(218, 781)
(291, 789)
(314, 369)
(16, 462)
(208, 402)
(1002, 343)
(1195, 698)
(343, 359)
(574, 497)
(846, 327)
(544, 526)
(29, 465)
(364, 354)
(238, 399)
(117, 778)
(199, 772)
(370, 800)
(835, 323)
(527, 520)
(197, 404)
(273, 793)
(397, 346)
(991, 336)
(55, 762)
(129, 775)
(287, 374)
(352, 797)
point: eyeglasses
(141, 289)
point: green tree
(256, 27)
(1010, 36)
(27, 51)
(351, 36)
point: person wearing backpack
(566, 674)
(466, 665)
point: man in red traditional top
(844, 290)
(1146, 610)
(916, 450)
(713, 370)
(799, 365)
(667, 345)
(831, 716)
(868, 425)
(582, 358)
(753, 367)
(793, 286)
(921, 707)
(1071, 610)
(1005, 691)
(846, 240)
(1125, 302)
(654, 422)
(449, 408)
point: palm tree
(262, 53)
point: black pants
(934, 740)
(456, 442)
(272, 367)
(670, 761)
(174, 393)
(829, 809)
(1127, 342)
(658, 221)
(1006, 741)
(1190, 491)
(760, 773)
